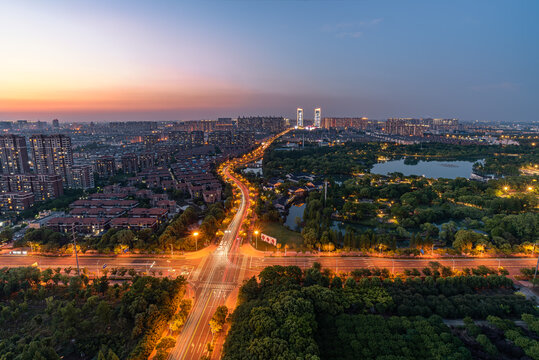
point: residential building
(52, 154)
(105, 166)
(13, 155)
(82, 177)
(43, 187)
(129, 163)
(345, 123)
(15, 202)
(157, 213)
(106, 204)
(80, 225)
(135, 224)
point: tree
(166, 343)
(218, 319)
(465, 240)
(309, 237)
(107, 354)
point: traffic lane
(93, 262)
(513, 265)
(203, 335)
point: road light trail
(223, 267)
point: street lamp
(195, 234)
(256, 238)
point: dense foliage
(290, 314)
(349, 158)
(49, 315)
(408, 214)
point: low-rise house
(135, 224)
(97, 212)
(156, 213)
(211, 196)
(80, 225)
(124, 204)
(280, 203)
(169, 205)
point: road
(214, 277)
(94, 264)
(221, 273)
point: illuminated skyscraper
(317, 117)
(299, 117)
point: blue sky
(164, 60)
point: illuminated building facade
(299, 117)
(13, 155)
(52, 155)
(317, 117)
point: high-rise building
(146, 160)
(299, 117)
(13, 155)
(43, 187)
(345, 123)
(317, 117)
(105, 166)
(55, 123)
(52, 155)
(82, 177)
(15, 202)
(130, 163)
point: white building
(299, 117)
(317, 117)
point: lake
(293, 212)
(298, 210)
(430, 169)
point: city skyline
(166, 61)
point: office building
(317, 117)
(13, 155)
(52, 154)
(299, 117)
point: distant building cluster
(37, 163)
(359, 123)
(420, 127)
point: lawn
(283, 236)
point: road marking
(197, 324)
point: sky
(180, 60)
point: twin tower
(317, 117)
